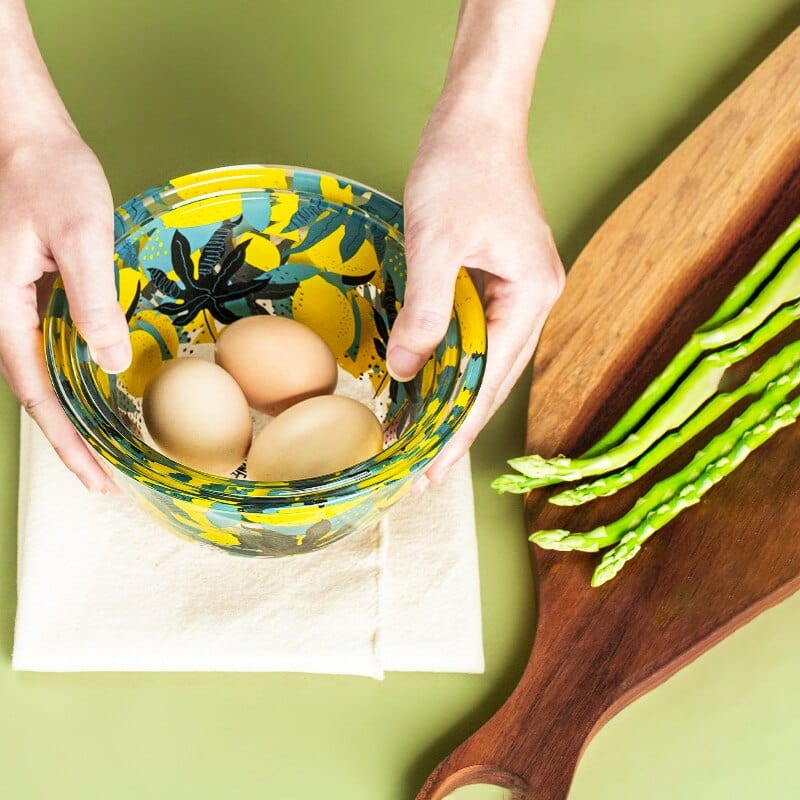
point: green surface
(346, 86)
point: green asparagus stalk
(701, 384)
(719, 447)
(690, 493)
(745, 303)
(755, 385)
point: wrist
(475, 111)
(33, 126)
(493, 63)
(30, 106)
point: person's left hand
(470, 200)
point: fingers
(428, 305)
(22, 361)
(515, 318)
(83, 250)
(503, 367)
(420, 485)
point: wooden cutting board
(656, 269)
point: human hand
(470, 200)
(56, 215)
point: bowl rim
(388, 466)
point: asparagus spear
(691, 393)
(740, 305)
(755, 385)
(719, 447)
(744, 295)
(786, 244)
(690, 493)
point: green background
(160, 88)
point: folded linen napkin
(102, 587)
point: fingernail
(420, 486)
(115, 358)
(402, 364)
(94, 486)
(437, 472)
(438, 476)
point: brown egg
(198, 415)
(278, 362)
(315, 437)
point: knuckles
(422, 328)
(97, 320)
(550, 287)
(80, 232)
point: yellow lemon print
(130, 282)
(470, 312)
(334, 193)
(326, 255)
(204, 212)
(327, 311)
(283, 207)
(203, 329)
(147, 360)
(366, 358)
(153, 341)
(261, 252)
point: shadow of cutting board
(657, 268)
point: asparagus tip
(568, 498)
(550, 540)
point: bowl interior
(206, 249)
(203, 251)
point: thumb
(427, 308)
(83, 251)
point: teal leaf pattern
(324, 226)
(355, 231)
(305, 216)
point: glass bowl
(205, 249)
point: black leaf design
(357, 280)
(232, 263)
(183, 313)
(379, 242)
(223, 315)
(214, 290)
(217, 247)
(390, 300)
(380, 347)
(380, 324)
(235, 292)
(276, 291)
(164, 284)
(284, 248)
(134, 302)
(182, 260)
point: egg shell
(315, 437)
(197, 415)
(277, 362)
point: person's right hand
(56, 215)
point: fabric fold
(102, 587)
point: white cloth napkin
(102, 587)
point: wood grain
(656, 269)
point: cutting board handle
(532, 745)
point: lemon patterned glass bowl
(206, 249)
